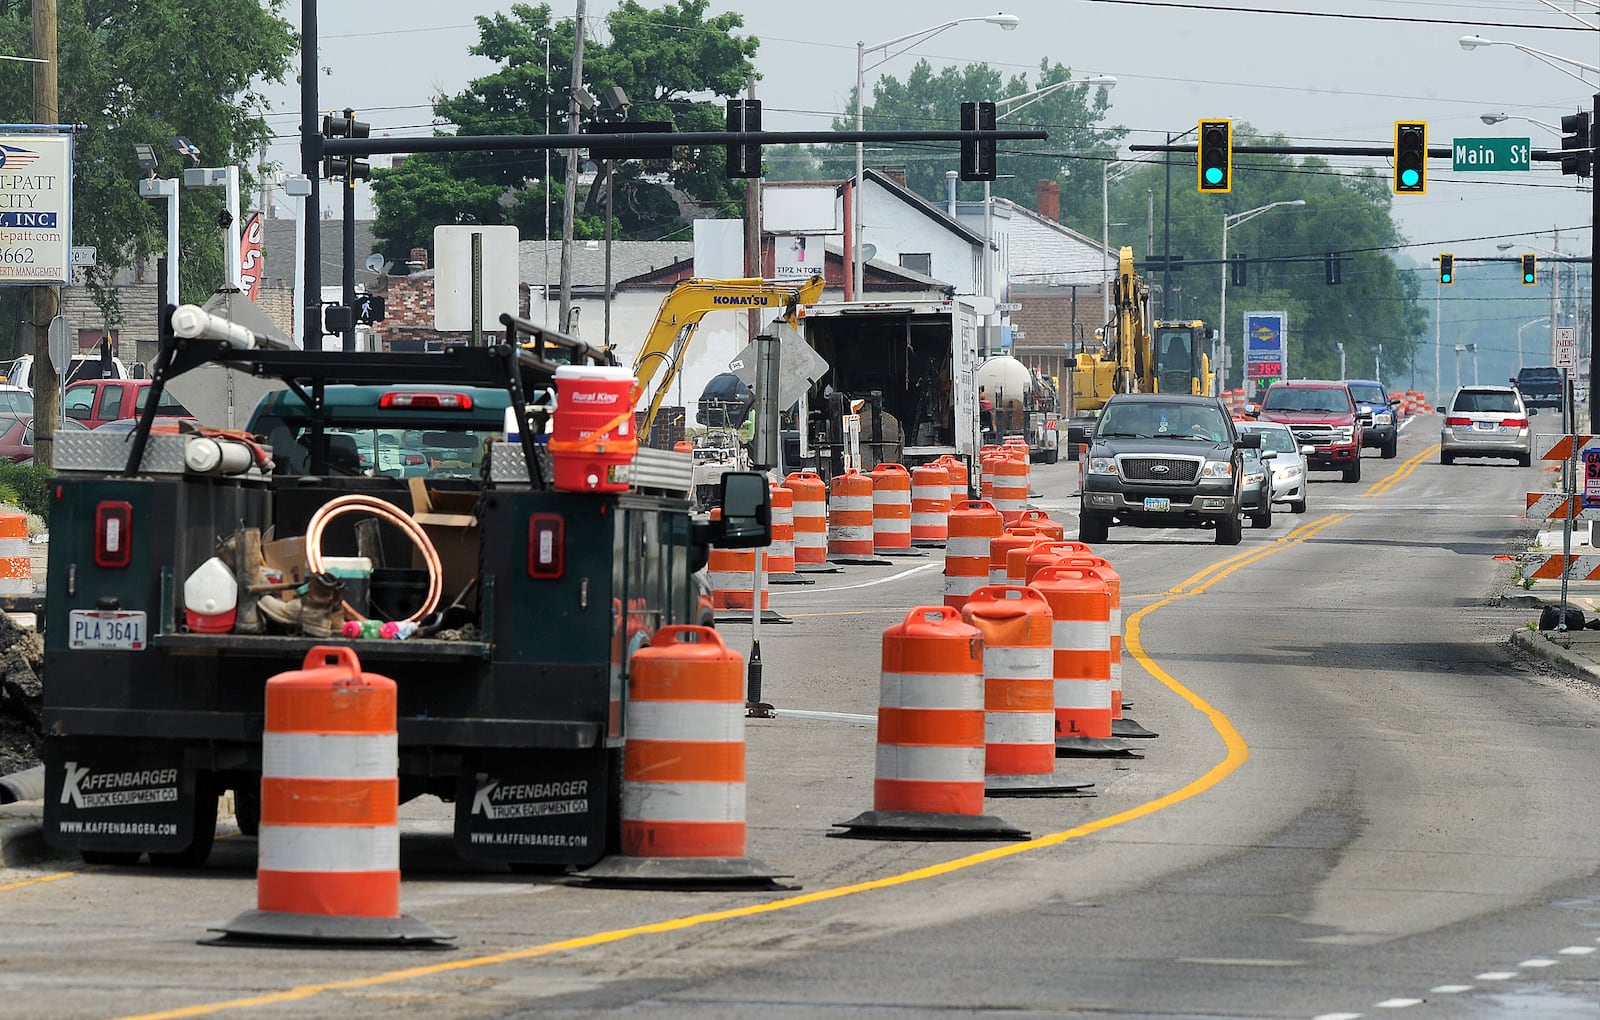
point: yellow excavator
(661, 356)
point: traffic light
(1332, 269)
(1216, 155)
(369, 308)
(1410, 157)
(1239, 263)
(1577, 157)
(977, 157)
(1447, 269)
(744, 115)
(347, 168)
(1530, 270)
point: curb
(22, 834)
(1541, 645)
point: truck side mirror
(1252, 410)
(746, 512)
(1248, 441)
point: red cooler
(592, 441)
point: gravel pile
(21, 694)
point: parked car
(84, 366)
(97, 401)
(15, 400)
(1287, 460)
(1380, 416)
(16, 436)
(1486, 421)
(1540, 387)
(1322, 414)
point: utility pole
(570, 195)
(46, 300)
(752, 226)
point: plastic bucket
(592, 443)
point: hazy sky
(1339, 79)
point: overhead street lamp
(1228, 223)
(1472, 42)
(1005, 21)
(1525, 325)
(1497, 118)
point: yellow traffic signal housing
(1410, 157)
(1215, 161)
(1530, 270)
(1447, 269)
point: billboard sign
(35, 209)
(1266, 352)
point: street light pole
(1228, 222)
(1006, 21)
(1520, 328)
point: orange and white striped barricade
(779, 559)
(1045, 554)
(1019, 701)
(810, 518)
(683, 772)
(930, 505)
(891, 510)
(1015, 537)
(732, 573)
(960, 477)
(1019, 450)
(974, 525)
(986, 461)
(850, 518)
(1017, 558)
(1037, 518)
(1010, 485)
(1121, 725)
(1080, 606)
(930, 734)
(16, 563)
(328, 851)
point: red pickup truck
(97, 401)
(1322, 415)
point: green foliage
(26, 486)
(663, 58)
(143, 73)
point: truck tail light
(546, 546)
(418, 401)
(1515, 423)
(113, 534)
(1455, 423)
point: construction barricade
(16, 564)
(328, 853)
(810, 517)
(1080, 607)
(960, 477)
(732, 573)
(974, 525)
(1010, 468)
(891, 509)
(1041, 555)
(1018, 691)
(1039, 519)
(1015, 537)
(850, 517)
(986, 461)
(930, 505)
(929, 779)
(683, 776)
(779, 559)
(1121, 725)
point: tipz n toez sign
(35, 209)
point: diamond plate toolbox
(102, 452)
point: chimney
(1050, 200)
(418, 260)
(894, 173)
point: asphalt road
(1360, 803)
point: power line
(1343, 16)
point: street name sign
(1491, 154)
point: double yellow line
(1199, 582)
(1416, 460)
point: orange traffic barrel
(891, 508)
(1015, 537)
(683, 772)
(732, 573)
(1121, 725)
(986, 461)
(328, 851)
(974, 524)
(16, 563)
(1010, 484)
(1041, 520)
(779, 558)
(1044, 554)
(930, 505)
(1080, 606)
(1019, 700)
(956, 468)
(850, 516)
(930, 757)
(810, 516)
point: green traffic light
(1446, 278)
(1527, 277)
(1409, 177)
(1213, 175)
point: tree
(661, 58)
(136, 73)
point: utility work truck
(906, 369)
(373, 485)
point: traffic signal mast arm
(602, 144)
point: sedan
(16, 436)
(1287, 461)
(1486, 421)
(1255, 492)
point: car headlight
(1102, 465)
(1216, 469)
(1382, 418)
(1255, 478)
(1344, 434)
(1285, 474)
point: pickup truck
(1540, 387)
(1379, 414)
(527, 600)
(97, 401)
(1321, 414)
(1160, 461)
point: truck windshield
(1175, 360)
(1323, 399)
(1142, 420)
(1367, 393)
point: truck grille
(1159, 469)
(1316, 435)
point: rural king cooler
(593, 443)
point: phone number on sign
(16, 257)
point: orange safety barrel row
(930, 755)
(779, 558)
(683, 774)
(1080, 607)
(1018, 684)
(930, 504)
(891, 508)
(956, 468)
(732, 573)
(1010, 470)
(810, 516)
(850, 515)
(974, 525)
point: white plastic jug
(210, 597)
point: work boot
(284, 612)
(322, 606)
(241, 551)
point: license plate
(1157, 505)
(94, 628)
(1485, 426)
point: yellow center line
(1237, 753)
(54, 876)
(1383, 485)
(1237, 558)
